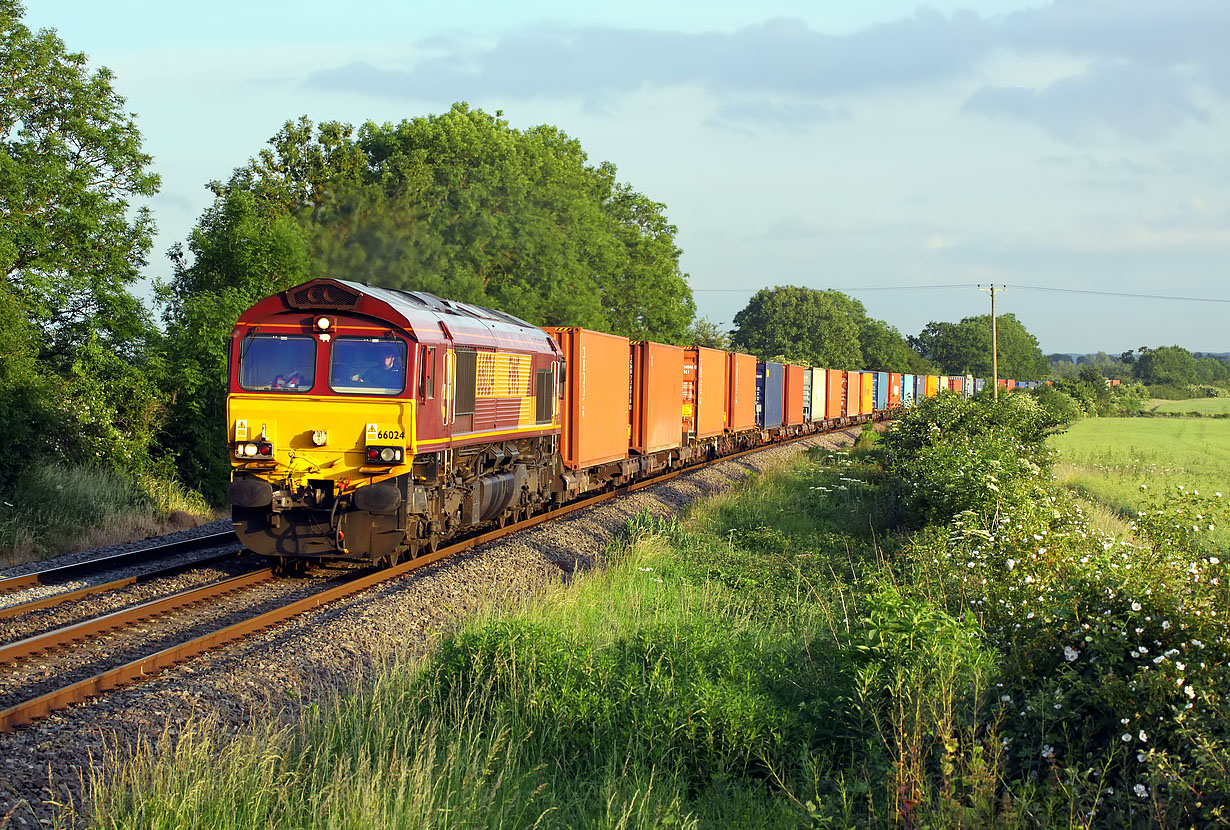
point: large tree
(965, 348)
(75, 340)
(71, 241)
(820, 328)
(458, 204)
(1172, 365)
(462, 205)
(801, 325)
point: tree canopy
(71, 242)
(462, 205)
(965, 348)
(76, 342)
(820, 328)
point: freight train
(375, 424)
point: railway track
(90, 567)
(31, 706)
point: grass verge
(61, 508)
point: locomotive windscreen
(281, 363)
(363, 366)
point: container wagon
(770, 394)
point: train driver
(387, 374)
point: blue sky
(873, 147)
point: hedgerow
(1112, 650)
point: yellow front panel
(290, 421)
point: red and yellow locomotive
(377, 423)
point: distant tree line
(1170, 366)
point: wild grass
(704, 679)
(792, 654)
(1120, 463)
(59, 508)
(1197, 406)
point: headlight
(249, 450)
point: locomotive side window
(543, 398)
(427, 372)
(367, 366)
(467, 382)
(277, 363)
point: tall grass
(749, 666)
(792, 654)
(61, 507)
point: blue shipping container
(880, 389)
(907, 390)
(770, 394)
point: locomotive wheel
(290, 566)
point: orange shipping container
(657, 396)
(894, 390)
(933, 385)
(835, 400)
(704, 391)
(595, 406)
(794, 395)
(854, 393)
(868, 403)
(740, 392)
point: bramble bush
(1112, 650)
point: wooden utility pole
(994, 344)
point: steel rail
(82, 690)
(64, 573)
(90, 628)
(115, 585)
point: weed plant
(60, 507)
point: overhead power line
(1120, 294)
(852, 290)
(862, 288)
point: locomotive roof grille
(328, 295)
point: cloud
(1118, 99)
(1161, 52)
(791, 115)
(778, 56)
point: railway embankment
(275, 679)
(930, 632)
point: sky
(903, 153)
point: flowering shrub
(1112, 650)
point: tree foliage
(70, 162)
(77, 344)
(1165, 365)
(705, 332)
(464, 206)
(819, 328)
(965, 348)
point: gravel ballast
(290, 666)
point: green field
(1108, 459)
(1202, 406)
